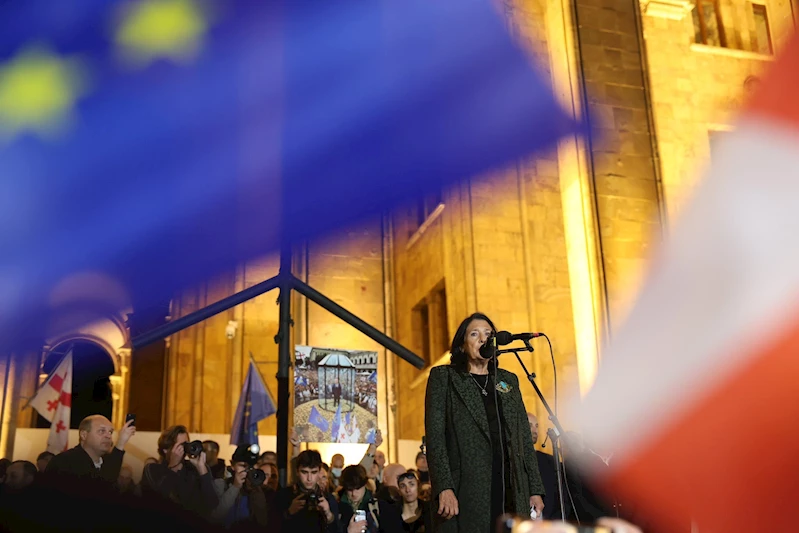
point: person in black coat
(178, 478)
(95, 457)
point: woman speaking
(479, 446)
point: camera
(313, 500)
(256, 477)
(193, 448)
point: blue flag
(336, 423)
(373, 376)
(145, 139)
(318, 420)
(255, 404)
(347, 419)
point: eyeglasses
(406, 475)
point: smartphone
(130, 416)
(360, 515)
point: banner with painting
(335, 394)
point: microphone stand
(553, 432)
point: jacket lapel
(467, 390)
(507, 400)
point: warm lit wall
(206, 369)
(697, 88)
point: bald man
(95, 457)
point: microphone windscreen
(503, 338)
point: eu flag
(161, 142)
(336, 424)
(316, 419)
(255, 404)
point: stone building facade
(556, 243)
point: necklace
(481, 387)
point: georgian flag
(697, 395)
(53, 401)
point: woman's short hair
(458, 357)
(167, 440)
(353, 477)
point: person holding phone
(360, 511)
(96, 457)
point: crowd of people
(366, 392)
(89, 487)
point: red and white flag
(697, 395)
(53, 400)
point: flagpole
(283, 339)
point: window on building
(762, 37)
(424, 208)
(708, 28)
(431, 325)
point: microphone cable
(554, 371)
(501, 435)
(562, 465)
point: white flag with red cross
(53, 400)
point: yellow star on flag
(38, 90)
(154, 29)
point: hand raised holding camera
(324, 507)
(238, 478)
(297, 504)
(199, 463)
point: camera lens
(193, 448)
(256, 476)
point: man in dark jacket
(95, 457)
(303, 507)
(336, 392)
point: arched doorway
(92, 368)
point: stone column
(622, 151)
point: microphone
(505, 337)
(544, 445)
(489, 349)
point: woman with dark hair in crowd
(416, 517)
(381, 517)
(476, 426)
(271, 481)
(324, 478)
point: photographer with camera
(182, 475)
(303, 507)
(241, 496)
